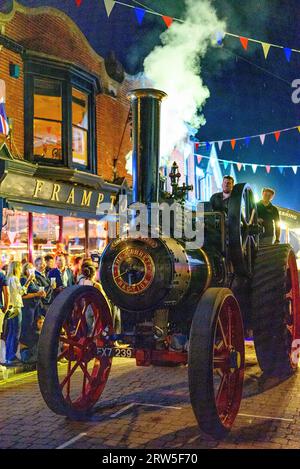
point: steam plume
(175, 67)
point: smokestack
(145, 104)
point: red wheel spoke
(221, 388)
(71, 371)
(229, 328)
(220, 362)
(86, 374)
(222, 332)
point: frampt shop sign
(44, 192)
(72, 196)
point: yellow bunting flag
(109, 4)
(266, 48)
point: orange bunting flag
(239, 166)
(244, 42)
(233, 142)
(168, 20)
(268, 169)
(277, 135)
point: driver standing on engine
(219, 201)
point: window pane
(98, 236)
(79, 109)
(47, 99)
(45, 233)
(79, 127)
(79, 146)
(14, 236)
(47, 125)
(74, 235)
(47, 139)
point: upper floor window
(47, 119)
(80, 127)
(60, 114)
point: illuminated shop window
(74, 235)
(45, 233)
(14, 236)
(47, 124)
(97, 236)
(79, 127)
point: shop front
(290, 229)
(44, 206)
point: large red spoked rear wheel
(216, 361)
(72, 372)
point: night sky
(245, 99)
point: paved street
(148, 408)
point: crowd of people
(26, 293)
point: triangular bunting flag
(226, 163)
(239, 166)
(299, 128)
(196, 146)
(288, 53)
(220, 144)
(78, 2)
(262, 138)
(268, 168)
(280, 169)
(254, 168)
(109, 4)
(139, 13)
(208, 146)
(295, 169)
(233, 142)
(11, 236)
(277, 135)
(247, 141)
(219, 37)
(266, 48)
(244, 42)
(199, 158)
(168, 20)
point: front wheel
(72, 372)
(216, 361)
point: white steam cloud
(175, 67)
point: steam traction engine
(179, 305)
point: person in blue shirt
(32, 304)
(62, 274)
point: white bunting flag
(220, 144)
(262, 138)
(109, 4)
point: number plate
(115, 352)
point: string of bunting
(254, 166)
(168, 20)
(232, 141)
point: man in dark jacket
(219, 201)
(43, 281)
(268, 216)
(63, 275)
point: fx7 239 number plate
(115, 352)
